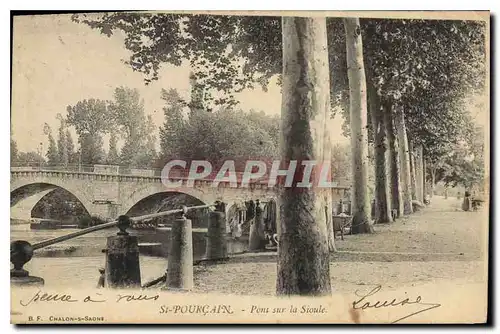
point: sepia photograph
(250, 167)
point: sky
(57, 63)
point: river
(75, 263)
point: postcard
(250, 167)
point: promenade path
(440, 243)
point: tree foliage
(221, 135)
(13, 152)
(91, 120)
(129, 120)
(62, 144)
(228, 54)
(29, 159)
(70, 147)
(405, 59)
(341, 164)
(113, 157)
(52, 153)
(464, 164)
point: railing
(175, 173)
(93, 169)
(21, 251)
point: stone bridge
(108, 195)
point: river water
(75, 263)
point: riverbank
(438, 244)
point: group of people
(243, 217)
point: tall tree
(404, 158)
(419, 172)
(382, 190)
(91, 119)
(52, 154)
(62, 144)
(113, 157)
(13, 152)
(170, 139)
(303, 255)
(70, 147)
(413, 177)
(361, 222)
(147, 156)
(127, 111)
(92, 151)
(394, 159)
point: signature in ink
(364, 304)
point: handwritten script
(44, 297)
(364, 303)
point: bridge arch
(151, 191)
(162, 201)
(22, 190)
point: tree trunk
(412, 171)
(361, 222)
(433, 180)
(303, 255)
(404, 158)
(419, 172)
(396, 195)
(382, 193)
(424, 181)
(328, 194)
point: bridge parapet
(21, 172)
(109, 195)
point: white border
(180, 5)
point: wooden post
(180, 255)
(122, 258)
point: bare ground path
(438, 243)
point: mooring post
(340, 207)
(180, 255)
(20, 253)
(216, 247)
(255, 240)
(122, 258)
